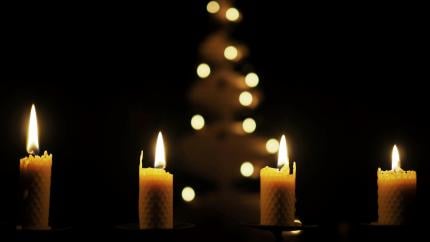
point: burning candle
(156, 192)
(278, 195)
(35, 172)
(396, 193)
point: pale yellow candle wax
(156, 192)
(396, 193)
(35, 175)
(277, 191)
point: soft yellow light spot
(160, 155)
(247, 169)
(395, 159)
(245, 98)
(249, 125)
(203, 70)
(230, 52)
(33, 133)
(188, 194)
(213, 7)
(272, 146)
(283, 153)
(232, 14)
(197, 122)
(296, 223)
(251, 80)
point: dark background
(346, 82)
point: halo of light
(247, 169)
(197, 122)
(245, 98)
(231, 52)
(203, 70)
(232, 14)
(272, 146)
(188, 194)
(249, 125)
(213, 7)
(252, 79)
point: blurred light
(232, 14)
(252, 79)
(272, 146)
(197, 122)
(188, 194)
(297, 223)
(247, 169)
(249, 125)
(203, 70)
(245, 98)
(230, 52)
(213, 7)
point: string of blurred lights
(247, 97)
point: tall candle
(396, 193)
(35, 173)
(278, 191)
(156, 192)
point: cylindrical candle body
(396, 196)
(155, 199)
(35, 172)
(277, 196)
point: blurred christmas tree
(224, 148)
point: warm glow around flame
(395, 159)
(283, 153)
(32, 136)
(160, 155)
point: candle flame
(395, 159)
(160, 155)
(32, 136)
(283, 153)
(140, 159)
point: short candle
(156, 192)
(35, 175)
(278, 195)
(396, 193)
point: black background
(346, 82)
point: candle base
(135, 227)
(384, 232)
(46, 234)
(134, 233)
(277, 230)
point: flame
(160, 155)
(32, 136)
(140, 159)
(283, 153)
(395, 159)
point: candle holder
(50, 234)
(133, 232)
(135, 227)
(277, 230)
(375, 231)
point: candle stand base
(277, 230)
(132, 232)
(50, 234)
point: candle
(396, 193)
(277, 195)
(156, 192)
(35, 173)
